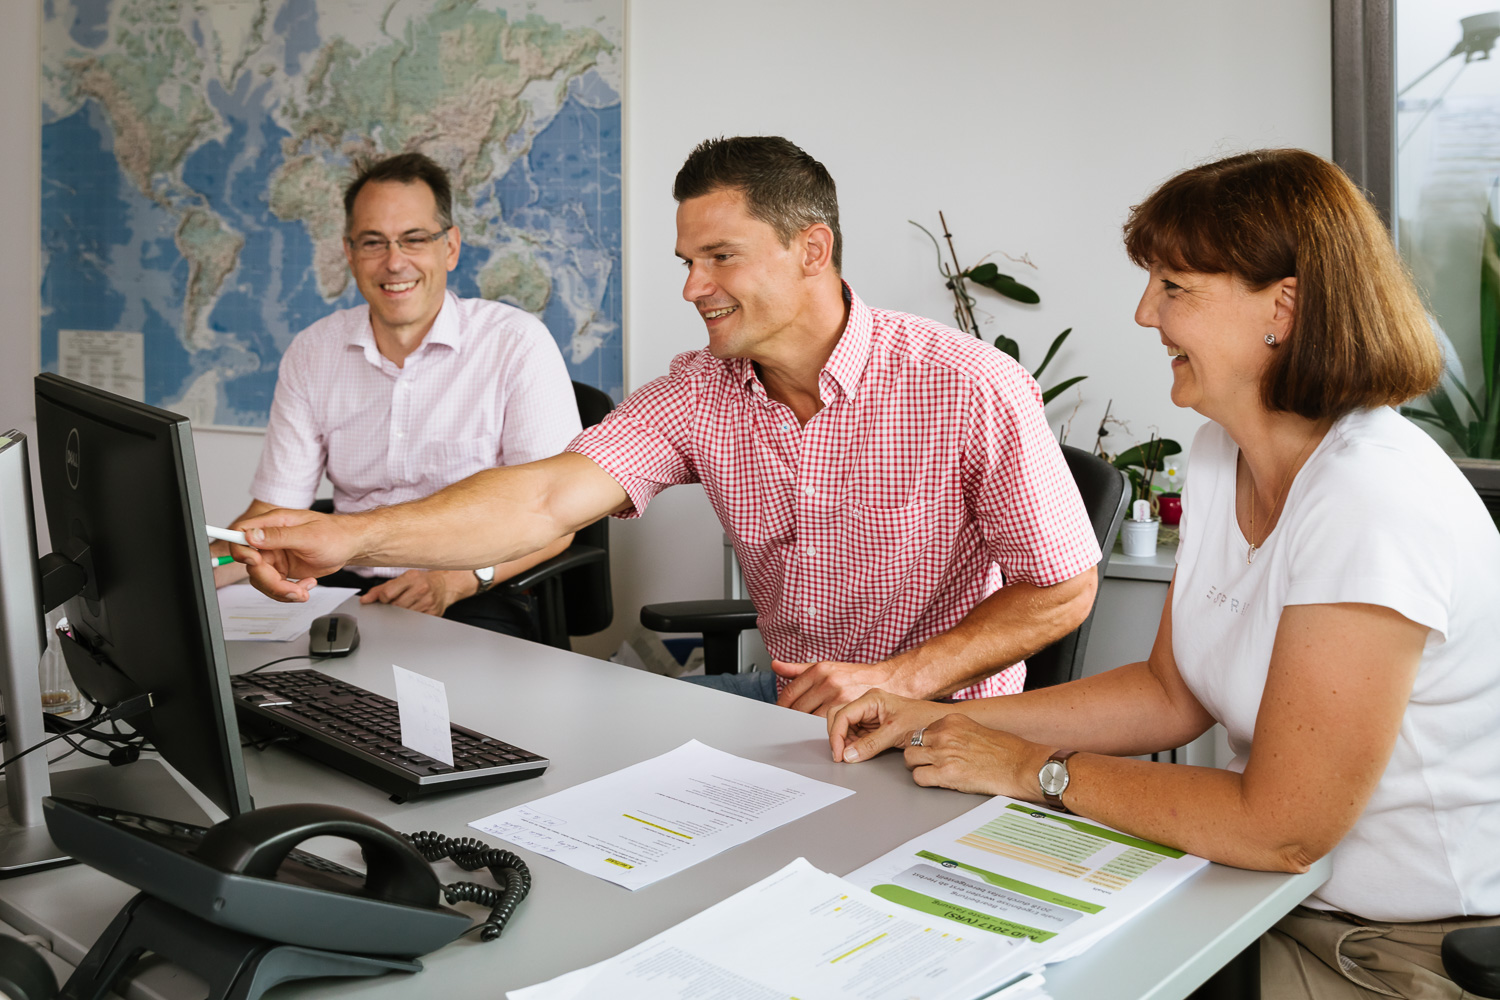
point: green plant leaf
(1489, 332)
(1058, 342)
(1136, 457)
(1010, 347)
(990, 277)
(1048, 395)
(1427, 417)
(1458, 429)
(1474, 406)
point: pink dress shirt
(486, 387)
(927, 479)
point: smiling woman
(1332, 606)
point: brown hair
(404, 168)
(784, 187)
(1360, 336)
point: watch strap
(1055, 801)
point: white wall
(1032, 126)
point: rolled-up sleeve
(644, 443)
(295, 453)
(1019, 487)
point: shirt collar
(446, 330)
(845, 366)
(850, 355)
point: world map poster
(194, 154)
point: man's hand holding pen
(289, 549)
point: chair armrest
(571, 557)
(699, 616)
(1472, 957)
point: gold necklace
(1285, 483)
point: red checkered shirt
(928, 478)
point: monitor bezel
(86, 402)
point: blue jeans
(759, 684)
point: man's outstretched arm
(493, 517)
(1011, 624)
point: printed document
(249, 614)
(658, 817)
(1018, 870)
(799, 933)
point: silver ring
(916, 737)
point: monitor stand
(144, 787)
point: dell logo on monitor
(72, 457)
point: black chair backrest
(588, 599)
(1106, 494)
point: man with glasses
(415, 390)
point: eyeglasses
(410, 244)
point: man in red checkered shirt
(902, 514)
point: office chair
(1106, 494)
(1471, 956)
(572, 589)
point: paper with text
(248, 614)
(799, 933)
(1017, 870)
(655, 818)
(422, 703)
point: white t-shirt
(1378, 515)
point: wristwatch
(486, 577)
(1053, 777)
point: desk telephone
(237, 903)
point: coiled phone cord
(471, 855)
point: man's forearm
(491, 518)
(1005, 628)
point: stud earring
(1270, 340)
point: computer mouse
(333, 635)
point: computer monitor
(120, 491)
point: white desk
(592, 717)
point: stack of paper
(247, 614)
(1020, 870)
(653, 819)
(799, 933)
(983, 901)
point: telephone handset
(244, 875)
(256, 844)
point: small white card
(423, 705)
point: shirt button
(401, 434)
(811, 551)
(808, 490)
(812, 612)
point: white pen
(225, 535)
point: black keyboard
(359, 733)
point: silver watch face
(1053, 777)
